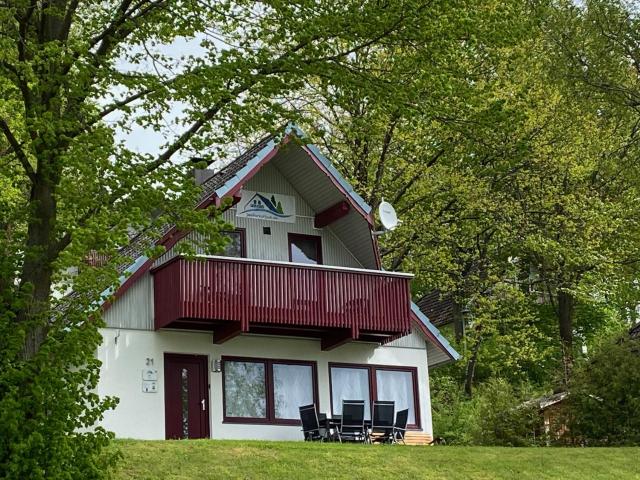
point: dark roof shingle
(438, 307)
(144, 240)
(227, 172)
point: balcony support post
(227, 332)
(336, 339)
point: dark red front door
(186, 396)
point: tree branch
(386, 144)
(121, 103)
(66, 23)
(120, 18)
(116, 29)
(17, 149)
(417, 175)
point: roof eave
(434, 334)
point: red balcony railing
(256, 294)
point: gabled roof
(227, 181)
(231, 177)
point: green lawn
(212, 459)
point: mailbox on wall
(149, 380)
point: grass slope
(211, 459)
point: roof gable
(314, 177)
(230, 179)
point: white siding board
(320, 192)
(269, 179)
(134, 309)
(435, 355)
(413, 340)
(276, 246)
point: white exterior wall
(276, 245)
(141, 415)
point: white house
(297, 311)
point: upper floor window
(305, 249)
(237, 246)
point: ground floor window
(350, 383)
(375, 382)
(267, 391)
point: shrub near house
(604, 402)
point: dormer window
(305, 249)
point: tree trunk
(458, 321)
(566, 304)
(37, 268)
(471, 368)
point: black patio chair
(325, 431)
(400, 427)
(352, 421)
(310, 424)
(382, 422)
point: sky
(149, 141)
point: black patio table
(333, 423)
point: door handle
(203, 404)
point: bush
(48, 403)
(604, 402)
(503, 418)
(496, 415)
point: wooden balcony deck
(231, 296)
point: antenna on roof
(388, 217)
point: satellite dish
(388, 216)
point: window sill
(261, 421)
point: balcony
(230, 296)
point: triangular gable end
(271, 149)
(318, 182)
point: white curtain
(292, 388)
(350, 384)
(397, 386)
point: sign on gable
(267, 206)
